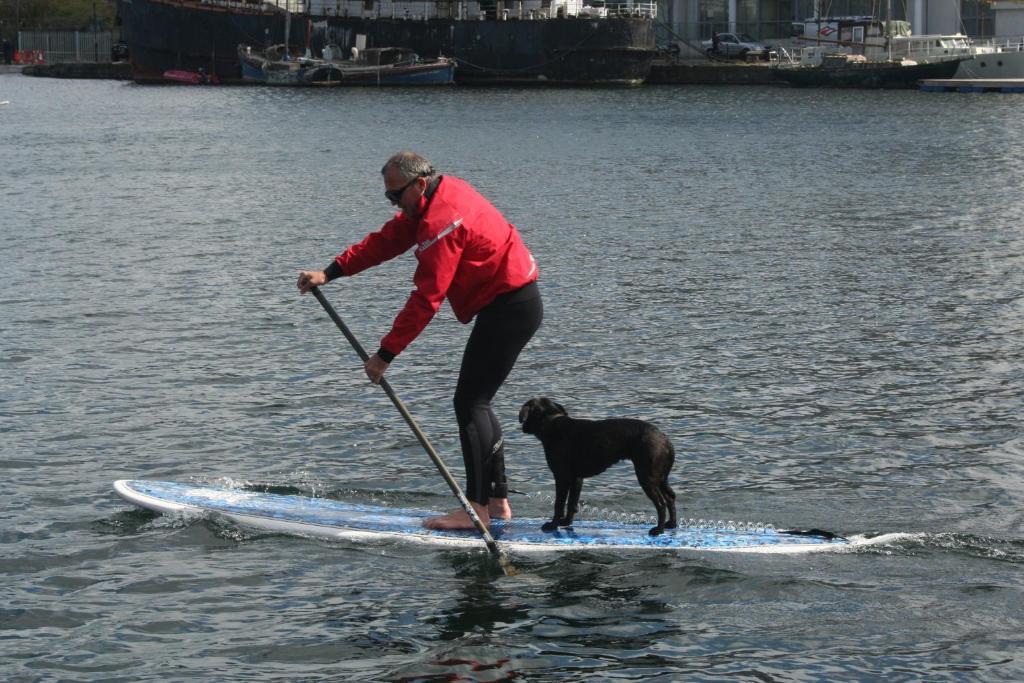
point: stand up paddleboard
(326, 518)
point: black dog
(576, 449)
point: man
(470, 254)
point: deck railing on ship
(1006, 44)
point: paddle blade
(506, 565)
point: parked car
(737, 45)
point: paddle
(503, 561)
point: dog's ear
(549, 406)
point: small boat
(374, 66)
(878, 40)
(841, 70)
(190, 77)
(860, 52)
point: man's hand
(308, 279)
(375, 367)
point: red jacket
(467, 251)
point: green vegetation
(76, 15)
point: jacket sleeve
(438, 260)
(394, 238)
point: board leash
(492, 545)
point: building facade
(772, 20)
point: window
(977, 18)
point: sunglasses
(394, 195)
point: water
(817, 295)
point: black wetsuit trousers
(500, 332)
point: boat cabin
(859, 35)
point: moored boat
(190, 77)
(375, 66)
(576, 49)
(537, 42)
(838, 70)
(886, 41)
(860, 52)
(982, 59)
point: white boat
(857, 52)
(876, 40)
(995, 58)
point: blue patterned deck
(324, 517)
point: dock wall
(704, 72)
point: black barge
(559, 42)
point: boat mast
(888, 27)
(817, 21)
(287, 26)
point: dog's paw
(671, 524)
(657, 531)
(548, 527)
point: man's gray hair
(410, 165)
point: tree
(76, 15)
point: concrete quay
(121, 71)
(669, 71)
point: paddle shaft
(454, 485)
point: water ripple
(823, 315)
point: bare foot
(458, 519)
(498, 508)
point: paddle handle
(454, 485)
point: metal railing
(61, 47)
(1004, 44)
(780, 55)
(296, 6)
(637, 9)
(468, 9)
